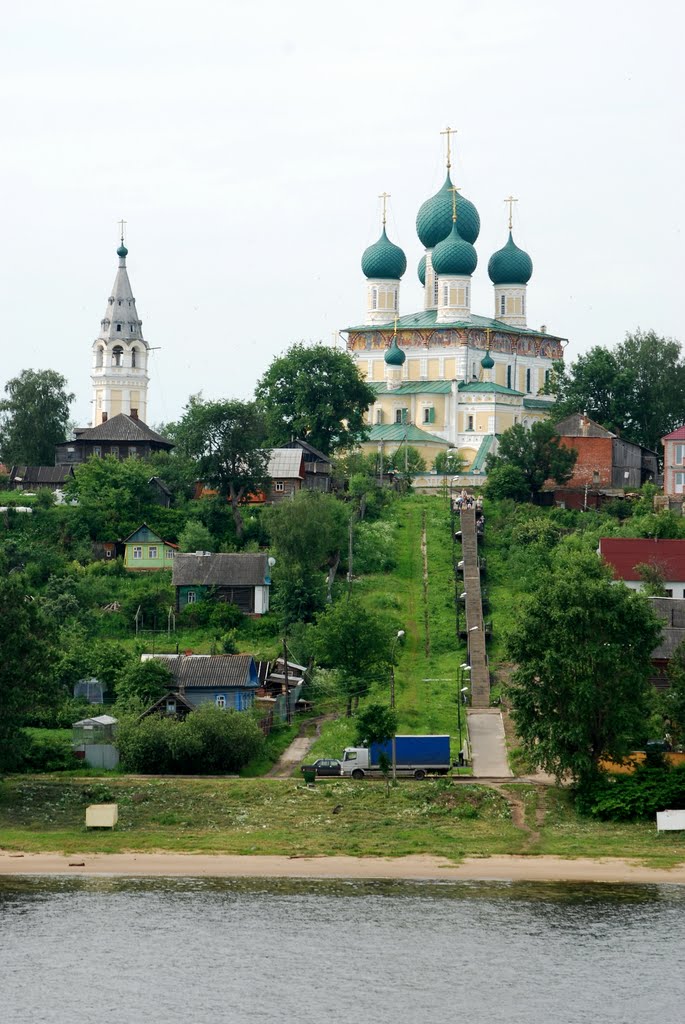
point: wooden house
(240, 579)
(225, 680)
(32, 478)
(122, 436)
(318, 468)
(144, 549)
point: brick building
(674, 463)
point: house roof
(429, 318)
(675, 435)
(121, 428)
(402, 432)
(623, 554)
(158, 482)
(222, 570)
(309, 449)
(98, 720)
(287, 463)
(672, 611)
(538, 403)
(215, 670)
(145, 534)
(41, 474)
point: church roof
(444, 387)
(121, 308)
(403, 432)
(121, 428)
(429, 318)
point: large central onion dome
(454, 257)
(394, 356)
(384, 260)
(434, 219)
(510, 265)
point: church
(445, 377)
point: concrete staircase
(475, 627)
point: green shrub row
(634, 797)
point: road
(488, 747)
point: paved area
(488, 748)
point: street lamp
(463, 669)
(400, 634)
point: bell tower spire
(120, 353)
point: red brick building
(674, 463)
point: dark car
(324, 766)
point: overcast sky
(246, 143)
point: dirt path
(298, 749)
(518, 812)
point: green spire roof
(434, 219)
(394, 356)
(421, 270)
(487, 362)
(384, 260)
(454, 257)
(510, 265)
(122, 251)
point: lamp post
(463, 669)
(400, 634)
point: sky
(246, 145)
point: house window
(97, 451)
(169, 552)
(114, 451)
(502, 305)
(133, 453)
(133, 352)
(279, 486)
(171, 707)
(445, 295)
(374, 298)
(469, 422)
(679, 483)
(152, 551)
(429, 414)
(435, 291)
(528, 380)
(108, 552)
(220, 700)
(508, 376)
(679, 450)
(191, 597)
(119, 325)
(137, 552)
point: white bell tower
(120, 353)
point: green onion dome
(487, 362)
(421, 270)
(122, 251)
(434, 219)
(394, 356)
(454, 257)
(510, 265)
(384, 260)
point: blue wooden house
(225, 680)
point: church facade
(443, 371)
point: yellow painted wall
(414, 369)
(115, 403)
(428, 451)
(433, 369)
(450, 369)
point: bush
(226, 616)
(633, 797)
(374, 547)
(209, 741)
(48, 751)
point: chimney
(104, 417)
(543, 329)
(134, 414)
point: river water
(158, 951)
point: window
(435, 291)
(152, 551)
(137, 552)
(117, 352)
(114, 451)
(445, 295)
(547, 373)
(134, 413)
(528, 380)
(108, 552)
(379, 415)
(220, 700)
(170, 552)
(679, 450)
(133, 353)
(523, 305)
(469, 422)
(350, 755)
(191, 597)
(119, 327)
(171, 707)
(401, 416)
(133, 453)
(279, 486)
(679, 483)
(374, 298)
(502, 305)
(508, 376)
(97, 451)
(466, 295)
(98, 356)
(132, 364)
(429, 414)
(395, 300)
(668, 593)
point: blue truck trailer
(416, 756)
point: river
(160, 951)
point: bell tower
(120, 353)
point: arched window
(435, 290)
(134, 350)
(374, 298)
(523, 305)
(445, 295)
(117, 355)
(502, 305)
(99, 355)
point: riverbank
(425, 868)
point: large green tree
(27, 657)
(34, 417)
(317, 394)
(582, 645)
(530, 457)
(113, 496)
(226, 440)
(635, 389)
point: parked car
(324, 766)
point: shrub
(633, 797)
(226, 616)
(46, 752)
(374, 547)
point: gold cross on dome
(395, 331)
(511, 202)
(454, 190)
(384, 196)
(449, 132)
(122, 224)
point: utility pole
(286, 688)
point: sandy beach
(532, 869)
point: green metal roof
(454, 256)
(415, 387)
(538, 403)
(384, 260)
(402, 432)
(434, 219)
(510, 265)
(428, 318)
(485, 446)
(486, 387)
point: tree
(406, 462)
(376, 723)
(356, 643)
(317, 394)
(34, 417)
(593, 384)
(537, 453)
(226, 440)
(582, 645)
(196, 537)
(673, 701)
(144, 681)
(653, 578)
(450, 462)
(113, 496)
(507, 481)
(27, 654)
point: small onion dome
(487, 362)
(434, 219)
(394, 356)
(122, 251)
(421, 270)
(510, 265)
(454, 257)
(384, 260)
